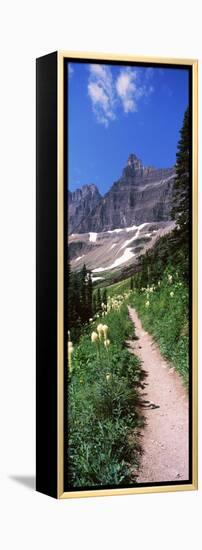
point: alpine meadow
(129, 275)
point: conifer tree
(181, 190)
(99, 301)
(89, 295)
(75, 303)
(181, 195)
(104, 296)
(94, 303)
(83, 294)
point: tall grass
(102, 407)
(118, 288)
(164, 311)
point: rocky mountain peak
(87, 190)
(142, 194)
(80, 204)
(134, 166)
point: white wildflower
(100, 331)
(105, 330)
(94, 337)
(70, 350)
(107, 343)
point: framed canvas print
(116, 382)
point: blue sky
(114, 110)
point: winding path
(165, 436)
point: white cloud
(131, 88)
(126, 89)
(107, 93)
(101, 92)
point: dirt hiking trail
(165, 436)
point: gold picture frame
(61, 56)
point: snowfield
(126, 256)
(79, 258)
(92, 237)
(112, 249)
(115, 230)
(94, 279)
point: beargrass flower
(171, 294)
(108, 376)
(105, 330)
(147, 303)
(70, 352)
(170, 278)
(94, 337)
(100, 331)
(107, 343)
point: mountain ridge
(141, 194)
(110, 232)
(80, 204)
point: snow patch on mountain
(92, 237)
(115, 230)
(79, 258)
(128, 241)
(126, 256)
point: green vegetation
(163, 309)
(162, 282)
(181, 192)
(118, 288)
(80, 300)
(104, 378)
(103, 385)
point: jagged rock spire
(134, 166)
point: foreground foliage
(102, 404)
(163, 309)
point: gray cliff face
(142, 194)
(80, 205)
